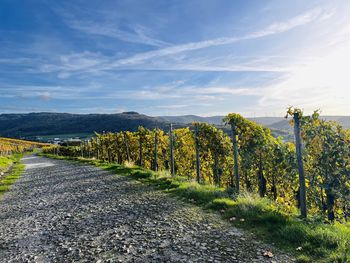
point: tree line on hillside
(32, 125)
(313, 174)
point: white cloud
(173, 106)
(300, 20)
(318, 78)
(44, 96)
(138, 34)
(193, 93)
(170, 58)
(107, 23)
(275, 28)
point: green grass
(318, 242)
(13, 175)
(5, 161)
(307, 240)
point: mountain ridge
(273, 122)
(47, 123)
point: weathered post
(261, 178)
(102, 150)
(109, 155)
(198, 175)
(172, 161)
(235, 155)
(81, 149)
(97, 150)
(88, 148)
(140, 151)
(119, 152)
(274, 187)
(127, 147)
(155, 157)
(217, 178)
(298, 145)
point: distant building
(71, 142)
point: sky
(175, 57)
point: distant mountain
(216, 120)
(185, 119)
(267, 121)
(283, 124)
(279, 123)
(44, 123)
(34, 124)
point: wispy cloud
(101, 60)
(168, 59)
(193, 93)
(224, 90)
(15, 61)
(275, 28)
(89, 62)
(173, 106)
(106, 23)
(24, 109)
(136, 34)
(44, 93)
(300, 20)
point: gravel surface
(60, 211)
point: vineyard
(11, 151)
(250, 158)
(11, 146)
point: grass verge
(307, 240)
(13, 174)
(5, 161)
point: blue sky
(175, 57)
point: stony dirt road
(60, 211)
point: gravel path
(60, 211)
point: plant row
(312, 174)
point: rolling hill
(29, 125)
(278, 123)
(34, 124)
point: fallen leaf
(268, 254)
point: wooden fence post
(235, 155)
(172, 160)
(97, 150)
(140, 152)
(81, 149)
(88, 148)
(155, 157)
(127, 147)
(109, 155)
(298, 145)
(102, 150)
(198, 175)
